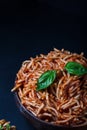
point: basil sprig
(8, 127)
(46, 79)
(75, 68)
(1, 127)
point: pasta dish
(54, 87)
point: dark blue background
(30, 28)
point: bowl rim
(23, 110)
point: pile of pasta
(65, 101)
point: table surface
(27, 32)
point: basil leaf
(8, 127)
(1, 127)
(75, 68)
(46, 79)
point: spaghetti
(65, 101)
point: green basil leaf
(75, 68)
(8, 127)
(46, 79)
(1, 127)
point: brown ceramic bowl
(42, 125)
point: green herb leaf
(75, 68)
(1, 127)
(8, 127)
(46, 79)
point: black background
(28, 28)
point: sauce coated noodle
(65, 101)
